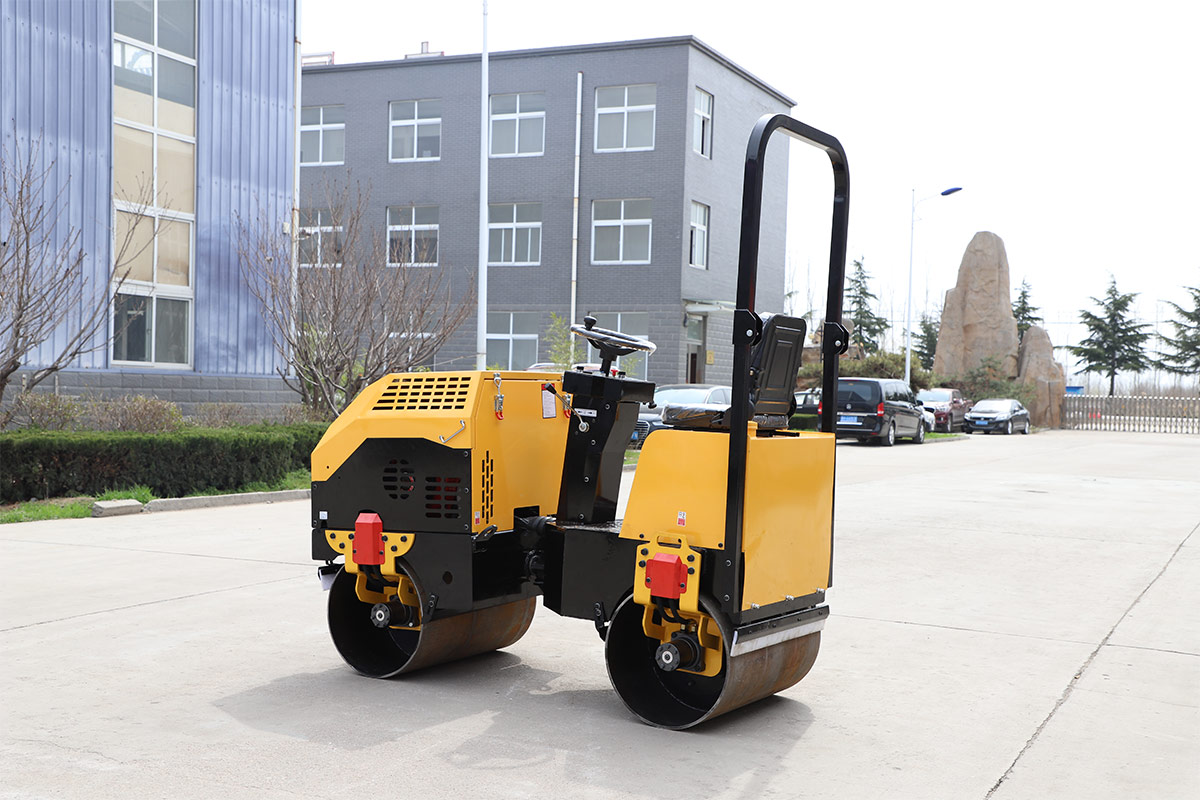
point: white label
(585, 412)
(548, 410)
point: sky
(1070, 126)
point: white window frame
(620, 328)
(157, 214)
(321, 127)
(511, 337)
(699, 232)
(624, 112)
(413, 123)
(515, 230)
(702, 124)
(516, 116)
(624, 223)
(411, 228)
(318, 232)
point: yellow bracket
(404, 591)
(705, 627)
(707, 632)
(394, 546)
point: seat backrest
(774, 364)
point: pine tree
(868, 326)
(1024, 312)
(1185, 344)
(1114, 342)
(925, 342)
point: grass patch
(631, 457)
(296, 479)
(35, 510)
(142, 494)
(944, 435)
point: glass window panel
(533, 101)
(524, 353)
(497, 353)
(500, 212)
(637, 243)
(176, 96)
(426, 215)
(506, 254)
(642, 95)
(535, 245)
(177, 26)
(695, 329)
(133, 164)
(171, 331)
(133, 246)
(174, 252)
(333, 114)
(641, 129)
(638, 209)
(429, 141)
(308, 249)
(498, 322)
(400, 247)
(331, 247)
(504, 137)
(495, 245)
(400, 215)
(426, 247)
(504, 104)
(429, 109)
(310, 115)
(529, 212)
(607, 209)
(699, 213)
(404, 109)
(131, 327)
(608, 319)
(612, 97)
(608, 243)
(135, 19)
(310, 147)
(610, 131)
(522, 246)
(333, 149)
(133, 83)
(635, 323)
(703, 101)
(176, 174)
(531, 135)
(526, 322)
(404, 141)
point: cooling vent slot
(425, 393)
(441, 497)
(488, 468)
(398, 479)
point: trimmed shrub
(305, 436)
(55, 464)
(804, 422)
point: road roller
(444, 504)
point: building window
(698, 248)
(512, 339)
(412, 236)
(625, 118)
(518, 124)
(634, 323)
(621, 231)
(322, 135)
(154, 179)
(515, 234)
(416, 130)
(702, 124)
(320, 240)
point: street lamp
(912, 225)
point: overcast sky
(1071, 126)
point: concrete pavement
(1013, 617)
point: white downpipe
(481, 317)
(575, 207)
(294, 217)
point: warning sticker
(681, 519)
(548, 411)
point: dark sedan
(1005, 415)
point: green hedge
(804, 422)
(62, 463)
(305, 436)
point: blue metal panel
(55, 59)
(244, 163)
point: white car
(927, 415)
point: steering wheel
(611, 344)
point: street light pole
(912, 226)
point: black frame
(747, 330)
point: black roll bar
(747, 329)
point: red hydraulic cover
(368, 539)
(666, 576)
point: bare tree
(45, 280)
(356, 308)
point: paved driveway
(1013, 617)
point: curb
(216, 500)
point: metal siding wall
(244, 160)
(55, 58)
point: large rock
(1038, 370)
(977, 320)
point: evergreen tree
(925, 342)
(868, 326)
(1024, 312)
(1114, 342)
(1185, 344)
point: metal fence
(1142, 414)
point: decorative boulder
(1039, 370)
(977, 320)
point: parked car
(547, 366)
(808, 401)
(650, 419)
(998, 414)
(929, 419)
(878, 409)
(949, 407)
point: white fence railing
(1145, 414)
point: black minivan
(878, 409)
